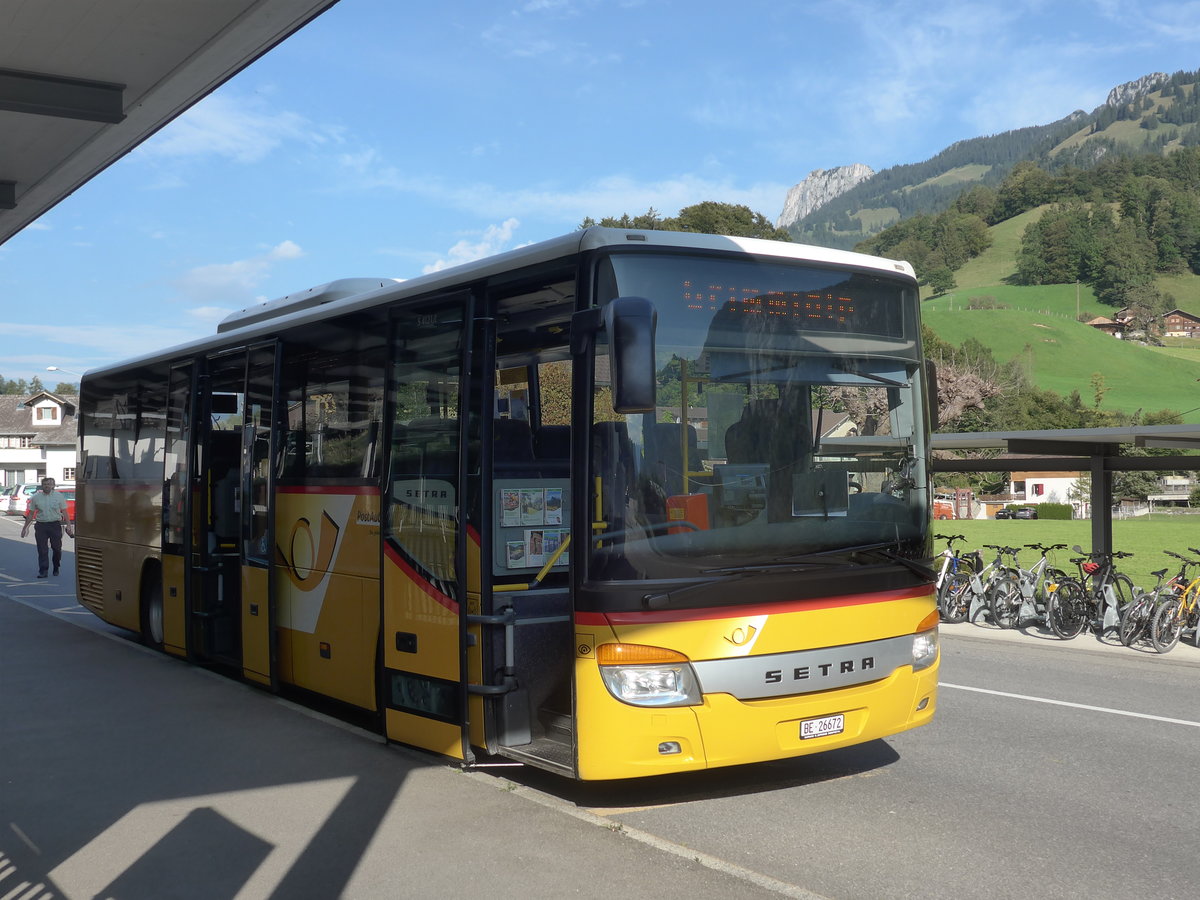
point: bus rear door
(423, 635)
(230, 606)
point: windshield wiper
(920, 569)
(880, 549)
(726, 574)
(790, 565)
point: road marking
(1103, 709)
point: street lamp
(64, 371)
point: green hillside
(1059, 354)
(1039, 326)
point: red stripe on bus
(729, 612)
(419, 580)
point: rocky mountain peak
(1132, 90)
(818, 188)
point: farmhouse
(1178, 323)
(37, 438)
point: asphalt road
(1052, 769)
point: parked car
(1004, 513)
(18, 501)
(69, 494)
(1025, 512)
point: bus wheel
(152, 614)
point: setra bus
(617, 504)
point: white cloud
(233, 281)
(494, 239)
(609, 195)
(241, 129)
(80, 346)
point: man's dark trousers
(49, 537)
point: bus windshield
(790, 419)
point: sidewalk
(1032, 634)
(126, 773)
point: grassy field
(1145, 538)
(1040, 327)
(1058, 354)
(961, 175)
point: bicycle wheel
(1051, 579)
(1067, 610)
(1005, 600)
(1134, 619)
(1166, 627)
(954, 598)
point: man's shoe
(41, 574)
(56, 571)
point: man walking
(47, 513)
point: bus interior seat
(744, 438)
(513, 452)
(513, 442)
(552, 442)
(662, 447)
(612, 454)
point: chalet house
(37, 438)
(1108, 326)
(1178, 323)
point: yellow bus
(618, 504)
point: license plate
(826, 725)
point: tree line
(708, 217)
(23, 388)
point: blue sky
(392, 139)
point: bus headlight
(648, 676)
(925, 643)
(925, 649)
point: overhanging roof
(84, 82)
(1074, 441)
(1093, 450)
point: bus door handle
(508, 618)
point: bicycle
(975, 596)
(1177, 615)
(954, 579)
(1094, 600)
(1139, 614)
(1022, 594)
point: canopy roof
(82, 83)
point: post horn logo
(307, 558)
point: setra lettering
(822, 670)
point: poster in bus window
(516, 554)
(510, 507)
(551, 540)
(554, 502)
(533, 504)
(534, 543)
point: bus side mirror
(630, 323)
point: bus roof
(352, 294)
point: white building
(1044, 487)
(37, 438)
